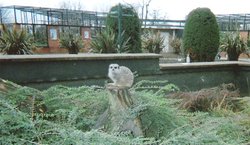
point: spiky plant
(152, 42)
(105, 42)
(72, 42)
(16, 41)
(175, 43)
(234, 45)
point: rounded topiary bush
(201, 35)
(130, 27)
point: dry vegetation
(225, 96)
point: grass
(69, 114)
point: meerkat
(120, 75)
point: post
(119, 27)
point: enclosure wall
(43, 71)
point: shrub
(105, 42)
(152, 42)
(201, 35)
(130, 24)
(175, 43)
(72, 42)
(234, 45)
(16, 41)
(248, 43)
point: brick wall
(53, 38)
(86, 37)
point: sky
(165, 9)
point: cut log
(118, 117)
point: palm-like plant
(234, 45)
(72, 42)
(152, 42)
(16, 41)
(176, 44)
(105, 42)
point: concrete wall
(243, 78)
(43, 71)
(195, 76)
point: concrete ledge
(83, 56)
(42, 71)
(195, 76)
(202, 65)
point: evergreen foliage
(175, 43)
(131, 26)
(16, 41)
(152, 42)
(72, 42)
(72, 112)
(233, 44)
(105, 42)
(201, 35)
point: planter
(233, 55)
(73, 51)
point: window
(86, 34)
(53, 34)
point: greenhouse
(46, 24)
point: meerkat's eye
(115, 67)
(111, 67)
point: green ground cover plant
(67, 115)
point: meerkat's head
(114, 68)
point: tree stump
(118, 116)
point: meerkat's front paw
(111, 86)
